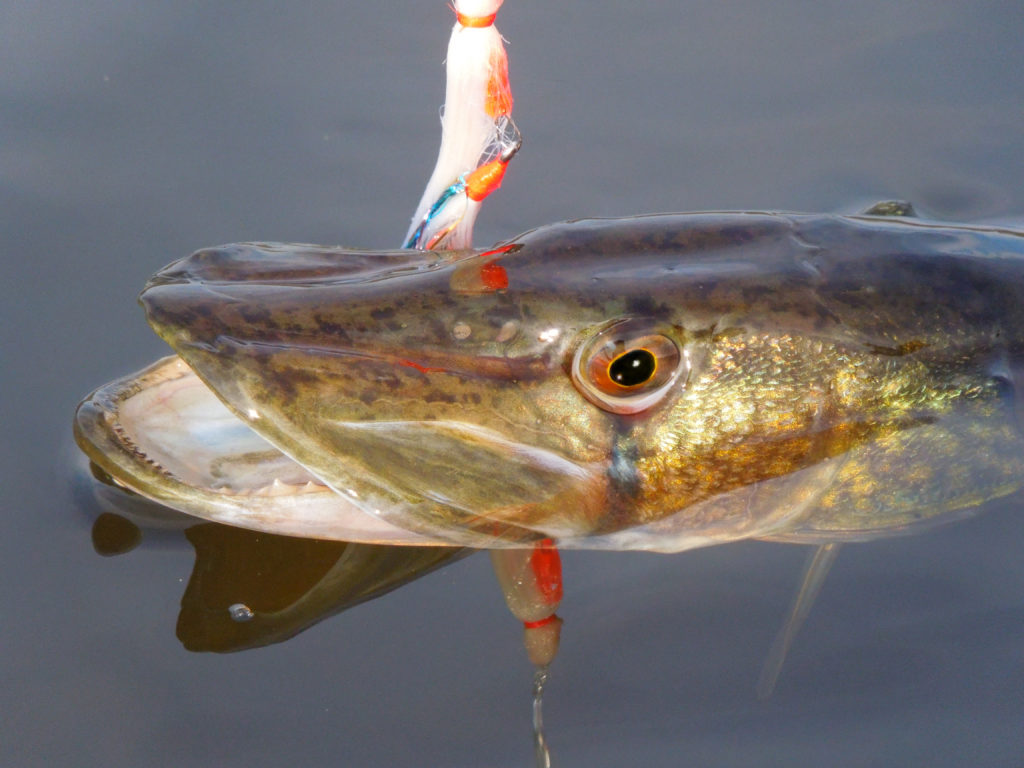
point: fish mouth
(164, 434)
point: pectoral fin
(815, 571)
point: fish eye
(633, 368)
(628, 366)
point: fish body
(659, 382)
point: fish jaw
(163, 434)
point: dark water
(133, 133)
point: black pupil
(632, 368)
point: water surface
(134, 133)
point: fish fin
(891, 208)
(815, 571)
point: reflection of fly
(660, 383)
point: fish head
(659, 382)
(416, 384)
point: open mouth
(164, 434)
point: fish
(659, 382)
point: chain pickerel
(659, 382)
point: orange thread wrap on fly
(485, 179)
(474, 22)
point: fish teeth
(277, 488)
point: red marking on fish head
(494, 277)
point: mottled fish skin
(850, 376)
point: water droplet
(240, 612)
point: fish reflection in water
(289, 584)
(249, 589)
(656, 383)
